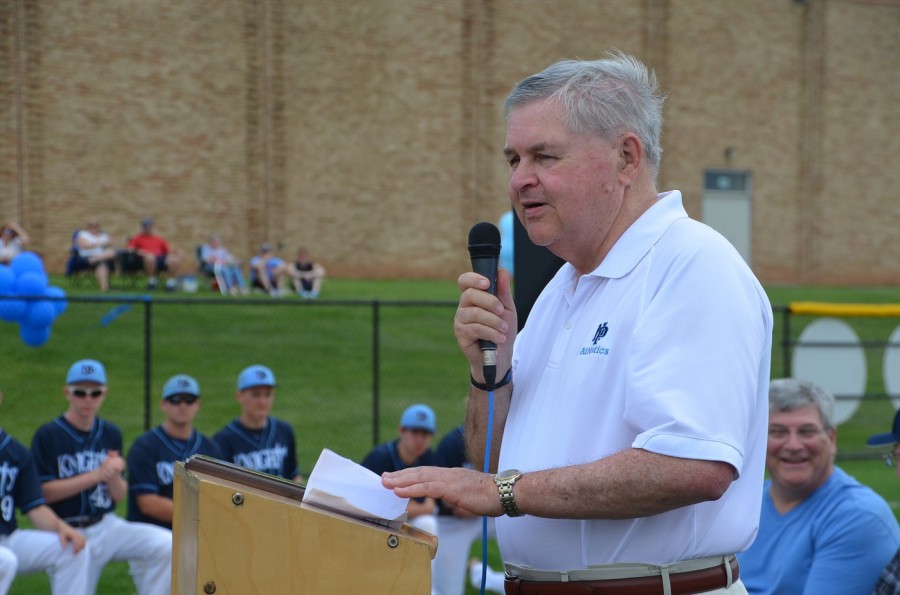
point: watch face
(508, 474)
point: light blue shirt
(837, 541)
(507, 247)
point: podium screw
(393, 541)
(209, 588)
(237, 499)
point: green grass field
(323, 357)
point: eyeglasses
(890, 458)
(94, 393)
(805, 433)
(179, 399)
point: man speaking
(629, 437)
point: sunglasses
(94, 393)
(179, 399)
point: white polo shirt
(666, 346)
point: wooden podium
(239, 532)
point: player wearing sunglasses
(152, 457)
(82, 475)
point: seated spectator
(412, 448)
(820, 530)
(306, 275)
(267, 271)
(159, 258)
(95, 248)
(218, 262)
(13, 240)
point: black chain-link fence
(345, 369)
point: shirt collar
(635, 242)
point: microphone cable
(487, 467)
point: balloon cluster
(25, 276)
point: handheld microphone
(484, 250)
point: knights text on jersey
(271, 450)
(61, 451)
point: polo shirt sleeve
(700, 341)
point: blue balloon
(31, 283)
(57, 292)
(38, 314)
(34, 336)
(12, 310)
(7, 279)
(27, 262)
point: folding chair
(77, 265)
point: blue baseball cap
(180, 384)
(255, 376)
(418, 417)
(86, 370)
(893, 436)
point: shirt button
(568, 324)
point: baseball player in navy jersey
(256, 440)
(412, 448)
(81, 470)
(151, 460)
(55, 548)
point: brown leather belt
(683, 583)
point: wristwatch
(505, 481)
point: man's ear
(631, 155)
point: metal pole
(786, 343)
(376, 365)
(148, 315)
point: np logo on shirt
(594, 349)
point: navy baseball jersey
(384, 457)
(271, 450)
(151, 467)
(19, 485)
(451, 452)
(62, 451)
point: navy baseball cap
(181, 384)
(86, 370)
(894, 436)
(255, 376)
(418, 417)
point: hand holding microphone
(477, 311)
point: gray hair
(788, 394)
(606, 97)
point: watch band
(505, 482)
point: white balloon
(891, 367)
(829, 354)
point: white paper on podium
(341, 485)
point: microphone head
(484, 240)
